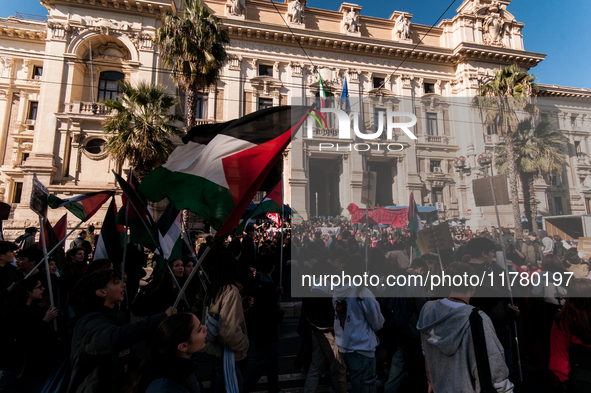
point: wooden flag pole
(49, 285)
(281, 245)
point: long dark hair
(162, 345)
(225, 272)
(19, 295)
(84, 292)
(576, 313)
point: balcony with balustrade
(86, 109)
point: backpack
(20, 241)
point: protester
(570, 340)
(28, 340)
(76, 262)
(451, 348)
(532, 250)
(27, 239)
(101, 346)
(261, 321)
(574, 264)
(168, 364)
(357, 320)
(81, 241)
(162, 292)
(8, 273)
(226, 313)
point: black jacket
(177, 376)
(101, 350)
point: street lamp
(461, 168)
(484, 160)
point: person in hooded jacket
(448, 344)
(358, 318)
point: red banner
(397, 218)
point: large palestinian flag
(222, 166)
(112, 238)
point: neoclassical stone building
(54, 73)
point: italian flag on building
(222, 166)
(322, 92)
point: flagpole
(189, 246)
(53, 249)
(125, 237)
(178, 298)
(367, 220)
(281, 246)
(49, 285)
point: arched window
(108, 86)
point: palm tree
(141, 126)
(539, 151)
(498, 101)
(191, 44)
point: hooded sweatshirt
(357, 318)
(447, 343)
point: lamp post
(461, 168)
(484, 160)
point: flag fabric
(222, 166)
(345, 97)
(275, 217)
(53, 235)
(82, 206)
(414, 224)
(142, 227)
(170, 228)
(111, 239)
(272, 204)
(322, 92)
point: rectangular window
(18, 192)
(435, 166)
(201, 109)
(588, 205)
(265, 70)
(438, 195)
(378, 82)
(37, 72)
(432, 124)
(265, 103)
(558, 205)
(578, 147)
(33, 106)
(429, 88)
(491, 129)
(24, 157)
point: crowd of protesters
(399, 339)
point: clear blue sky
(559, 29)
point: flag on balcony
(414, 224)
(322, 92)
(222, 166)
(82, 206)
(345, 97)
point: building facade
(54, 73)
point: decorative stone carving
(235, 8)
(350, 22)
(111, 50)
(406, 81)
(296, 68)
(493, 28)
(234, 62)
(402, 28)
(58, 30)
(353, 74)
(295, 12)
(6, 64)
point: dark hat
(533, 234)
(31, 230)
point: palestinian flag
(272, 203)
(322, 92)
(142, 227)
(222, 166)
(111, 239)
(414, 224)
(170, 228)
(53, 235)
(82, 206)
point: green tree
(499, 100)
(141, 127)
(191, 44)
(539, 151)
